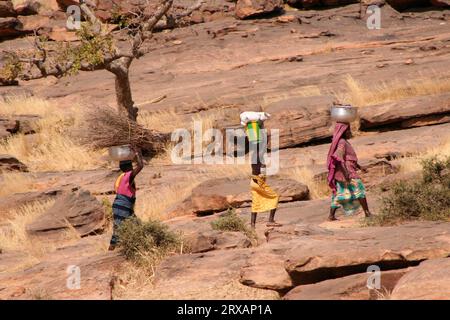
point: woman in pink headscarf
(343, 179)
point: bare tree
(97, 50)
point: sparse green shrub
(91, 50)
(436, 170)
(428, 199)
(146, 243)
(230, 221)
(118, 18)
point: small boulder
(17, 200)
(429, 281)
(10, 163)
(254, 8)
(217, 240)
(28, 7)
(405, 4)
(440, 3)
(20, 123)
(266, 270)
(79, 210)
(9, 28)
(353, 287)
(7, 9)
(34, 22)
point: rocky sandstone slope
(294, 63)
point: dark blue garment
(123, 208)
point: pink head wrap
(339, 131)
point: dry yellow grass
(150, 205)
(52, 148)
(27, 105)
(15, 236)
(413, 163)
(382, 294)
(15, 182)
(169, 120)
(318, 189)
(327, 48)
(165, 121)
(305, 91)
(366, 94)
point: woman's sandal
(273, 224)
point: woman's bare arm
(139, 162)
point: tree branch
(144, 32)
(189, 11)
(91, 16)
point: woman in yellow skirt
(263, 197)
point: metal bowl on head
(121, 153)
(343, 113)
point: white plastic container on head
(343, 113)
(121, 153)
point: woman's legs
(363, 202)
(114, 239)
(332, 216)
(272, 215)
(271, 222)
(256, 171)
(253, 222)
(334, 206)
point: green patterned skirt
(347, 196)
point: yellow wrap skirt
(263, 197)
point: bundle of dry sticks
(104, 127)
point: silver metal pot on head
(343, 113)
(121, 153)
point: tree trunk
(125, 104)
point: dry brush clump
(146, 243)
(425, 199)
(104, 127)
(230, 221)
